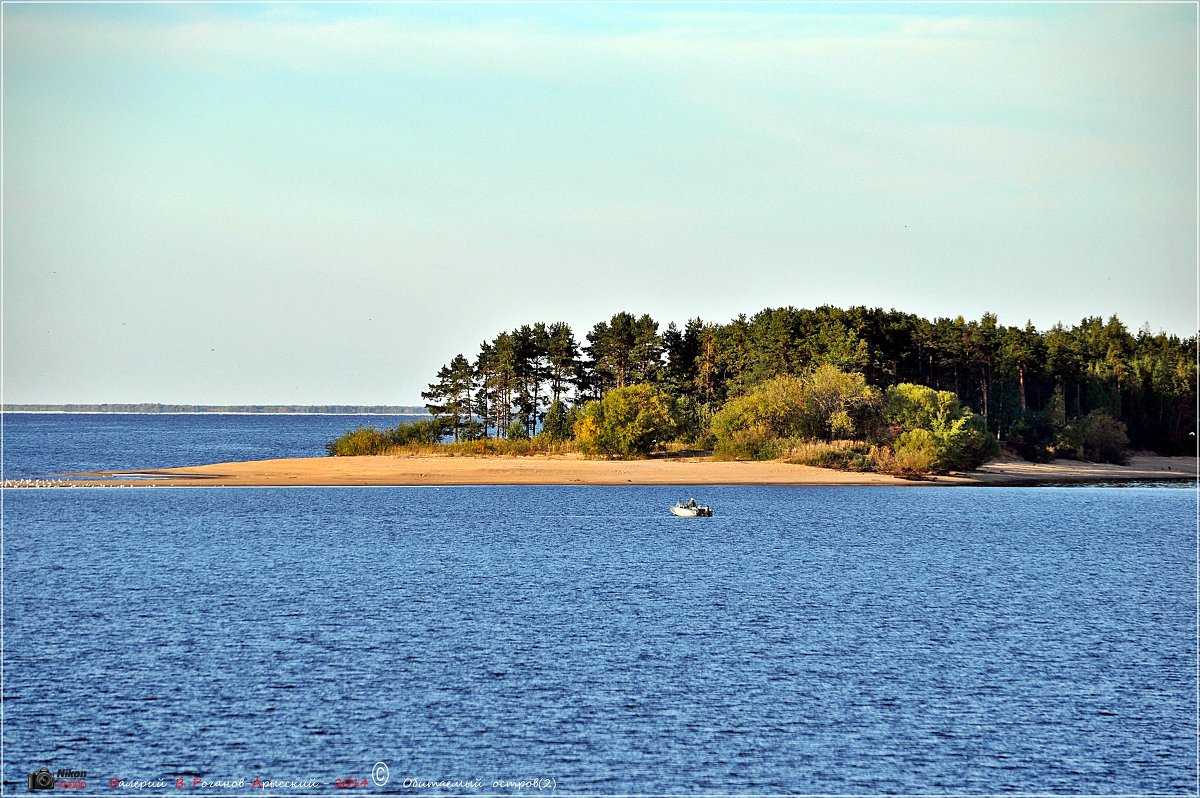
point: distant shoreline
(382, 470)
(198, 413)
(228, 410)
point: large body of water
(804, 640)
(46, 444)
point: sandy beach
(573, 470)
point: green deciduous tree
(960, 438)
(826, 404)
(1097, 437)
(839, 404)
(628, 422)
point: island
(823, 396)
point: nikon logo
(64, 779)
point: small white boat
(690, 509)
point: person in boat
(691, 505)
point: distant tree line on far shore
(155, 407)
(860, 388)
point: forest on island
(861, 388)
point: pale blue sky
(324, 203)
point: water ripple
(804, 640)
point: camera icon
(41, 780)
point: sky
(303, 203)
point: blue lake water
(45, 444)
(804, 640)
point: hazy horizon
(276, 204)
(418, 402)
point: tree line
(1029, 387)
(158, 407)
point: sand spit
(569, 470)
